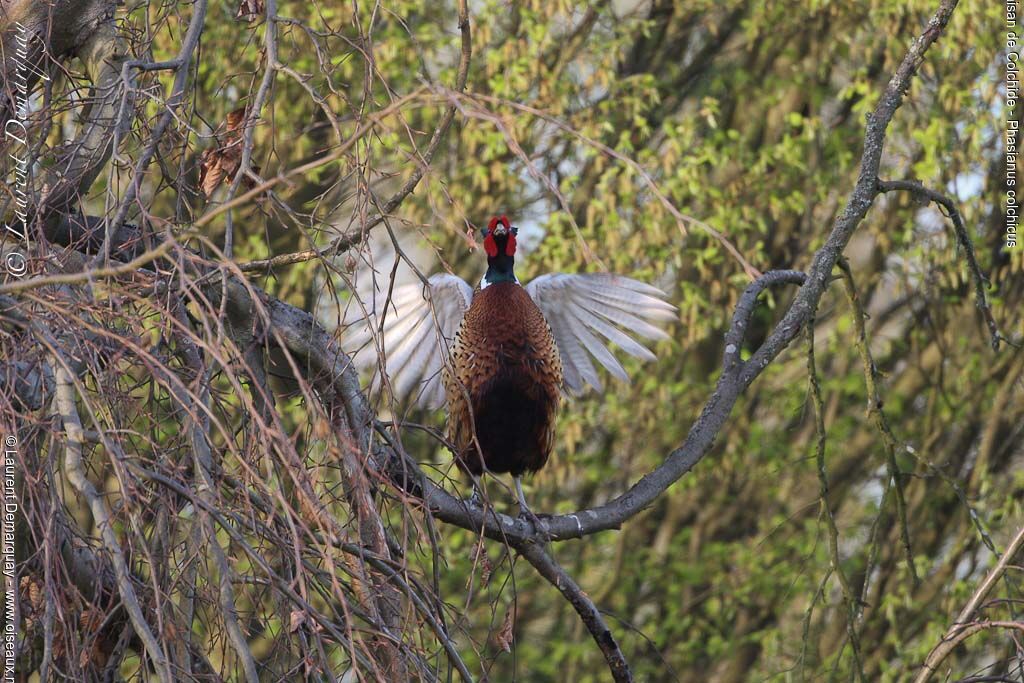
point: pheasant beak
(499, 226)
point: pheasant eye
(493, 223)
(504, 221)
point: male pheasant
(503, 353)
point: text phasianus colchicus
(503, 354)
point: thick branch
(51, 29)
(737, 375)
(71, 177)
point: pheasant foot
(525, 512)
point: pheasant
(503, 354)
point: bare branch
(876, 413)
(584, 606)
(65, 404)
(964, 627)
(963, 238)
(849, 597)
(102, 123)
(189, 44)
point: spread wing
(588, 311)
(415, 330)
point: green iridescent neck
(499, 269)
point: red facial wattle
(490, 246)
(510, 246)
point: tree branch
(65, 404)
(181, 65)
(197, 424)
(103, 55)
(877, 415)
(546, 566)
(53, 30)
(344, 242)
(736, 375)
(963, 627)
(849, 597)
(963, 238)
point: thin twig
(953, 213)
(963, 627)
(74, 467)
(198, 428)
(190, 43)
(546, 566)
(876, 413)
(849, 597)
(344, 242)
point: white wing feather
(415, 328)
(583, 312)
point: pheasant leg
(525, 511)
(476, 499)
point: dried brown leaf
(210, 172)
(296, 619)
(249, 10)
(217, 165)
(504, 637)
(235, 119)
(486, 568)
(31, 590)
(220, 163)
